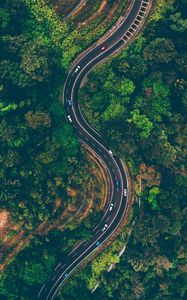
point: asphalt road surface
(126, 30)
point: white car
(69, 118)
(111, 206)
(110, 152)
(125, 192)
(69, 102)
(105, 227)
(77, 69)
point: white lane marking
(95, 248)
(94, 242)
(101, 52)
(86, 243)
(97, 232)
(87, 255)
(121, 199)
(98, 134)
(88, 72)
(112, 192)
(75, 248)
(58, 266)
(41, 290)
(103, 41)
(107, 218)
(86, 75)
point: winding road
(125, 32)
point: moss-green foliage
(83, 36)
(138, 101)
(146, 127)
(43, 23)
(36, 141)
(142, 123)
(99, 266)
(103, 262)
(161, 7)
(152, 197)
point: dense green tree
(160, 50)
(137, 100)
(142, 123)
(34, 61)
(114, 110)
(37, 119)
(5, 18)
(177, 23)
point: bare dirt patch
(64, 6)
(13, 237)
(4, 216)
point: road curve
(125, 32)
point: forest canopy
(138, 101)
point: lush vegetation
(36, 141)
(138, 100)
(40, 155)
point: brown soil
(79, 8)
(94, 16)
(57, 204)
(64, 5)
(124, 222)
(4, 216)
(89, 207)
(72, 192)
(102, 177)
(102, 6)
(70, 213)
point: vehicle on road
(77, 69)
(103, 48)
(125, 192)
(105, 227)
(69, 118)
(83, 67)
(111, 206)
(117, 182)
(69, 102)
